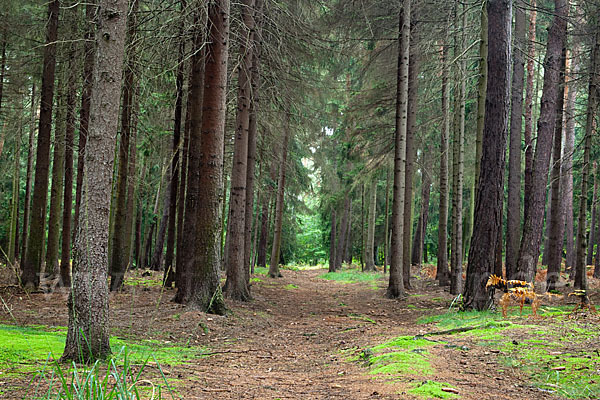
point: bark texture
(370, 247)
(443, 272)
(529, 93)
(533, 224)
(396, 284)
(488, 208)
(88, 332)
(35, 240)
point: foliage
(352, 276)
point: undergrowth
(352, 276)
(432, 390)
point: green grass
(261, 270)
(26, 349)
(432, 390)
(290, 286)
(352, 276)
(255, 280)
(400, 362)
(405, 343)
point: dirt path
(293, 341)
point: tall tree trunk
(65, 254)
(411, 148)
(419, 241)
(567, 167)
(557, 221)
(157, 254)
(458, 150)
(236, 285)
(347, 245)
(488, 210)
(529, 101)
(86, 94)
(14, 203)
(133, 187)
(169, 276)
(276, 251)
(443, 273)
(592, 106)
(386, 257)
(119, 254)
(35, 241)
(264, 225)
(396, 283)
(343, 233)
(362, 227)
(204, 262)
(332, 243)
(593, 222)
(88, 333)
(532, 228)
(252, 138)
(58, 172)
(28, 177)
(370, 248)
(513, 206)
(149, 235)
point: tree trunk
(88, 333)
(84, 114)
(275, 253)
(28, 177)
(458, 150)
(557, 221)
(370, 248)
(147, 249)
(443, 273)
(347, 245)
(204, 262)
(488, 210)
(133, 186)
(419, 240)
(532, 228)
(264, 225)
(65, 254)
(594, 87)
(529, 101)
(119, 254)
(35, 240)
(411, 148)
(343, 236)
(157, 254)
(396, 283)
(236, 285)
(14, 203)
(567, 167)
(592, 234)
(332, 243)
(513, 206)
(386, 256)
(169, 276)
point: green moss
(261, 270)
(404, 343)
(26, 349)
(290, 286)
(142, 281)
(255, 280)
(401, 362)
(351, 276)
(361, 317)
(432, 390)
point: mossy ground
(432, 390)
(352, 276)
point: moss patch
(290, 286)
(400, 362)
(432, 390)
(352, 276)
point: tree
(528, 134)
(88, 334)
(396, 284)
(488, 208)
(513, 206)
(205, 292)
(443, 273)
(532, 228)
(35, 240)
(370, 247)
(236, 285)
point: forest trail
(300, 338)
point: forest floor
(308, 337)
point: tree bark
(28, 177)
(84, 114)
(592, 106)
(343, 236)
(396, 283)
(532, 228)
(157, 254)
(443, 273)
(35, 240)
(419, 241)
(557, 221)
(276, 251)
(513, 206)
(593, 222)
(14, 202)
(119, 254)
(88, 333)
(264, 225)
(370, 247)
(65, 254)
(567, 168)
(236, 285)
(529, 94)
(386, 257)
(488, 210)
(332, 243)
(205, 260)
